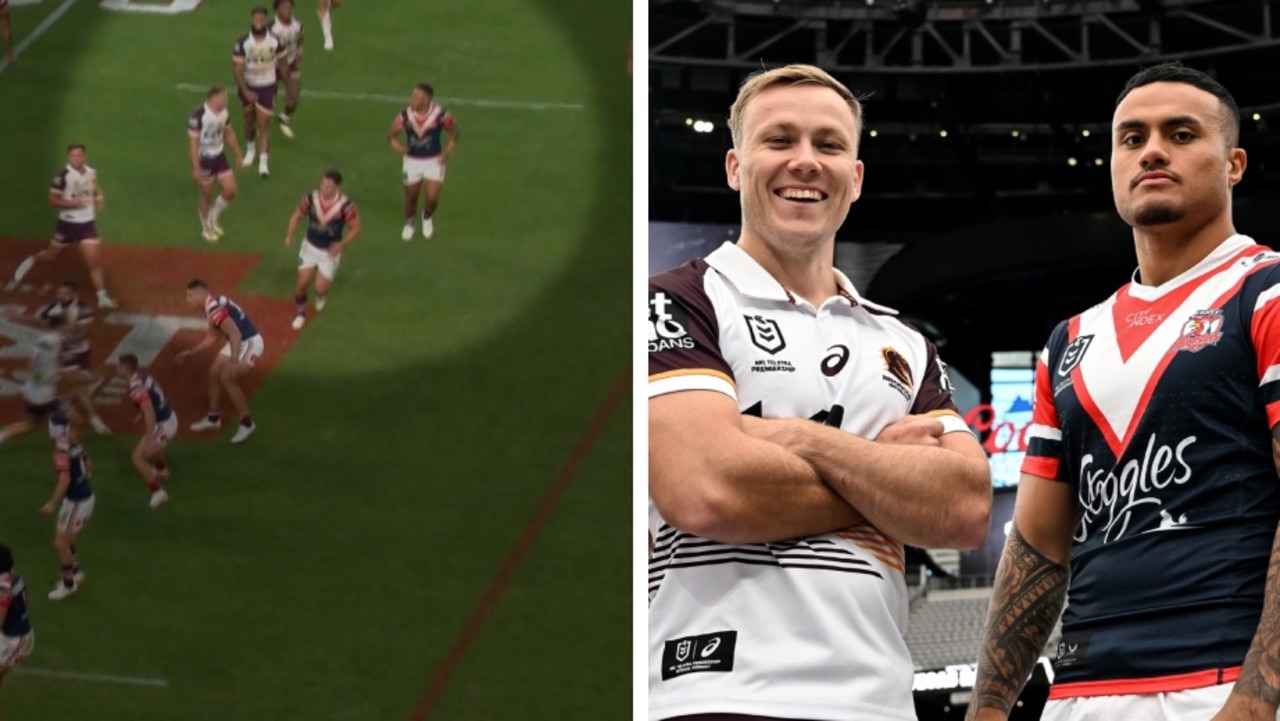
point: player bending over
(161, 425)
(241, 346)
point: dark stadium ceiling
(974, 110)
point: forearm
(60, 488)
(194, 152)
(1259, 680)
(350, 235)
(746, 491)
(1029, 593)
(238, 72)
(922, 496)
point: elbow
(971, 520)
(699, 511)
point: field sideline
(432, 519)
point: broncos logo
(897, 365)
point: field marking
(546, 506)
(39, 30)
(403, 99)
(91, 677)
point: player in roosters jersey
(17, 639)
(1149, 494)
(423, 122)
(73, 498)
(242, 345)
(332, 224)
(160, 425)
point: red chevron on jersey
(1130, 358)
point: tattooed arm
(1031, 585)
(1257, 692)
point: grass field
(407, 437)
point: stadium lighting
(1015, 133)
(942, 133)
(873, 133)
(703, 126)
(1085, 132)
(1097, 161)
(688, 121)
(1072, 162)
(1257, 116)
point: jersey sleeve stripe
(1273, 412)
(691, 380)
(951, 422)
(690, 372)
(1046, 467)
(1048, 433)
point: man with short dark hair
(1149, 493)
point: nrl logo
(1074, 354)
(765, 334)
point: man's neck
(804, 270)
(1166, 252)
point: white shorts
(15, 648)
(1197, 704)
(165, 432)
(416, 169)
(313, 257)
(250, 350)
(73, 515)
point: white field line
(91, 677)
(403, 99)
(39, 30)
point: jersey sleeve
(1044, 437)
(237, 51)
(1264, 330)
(59, 183)
(217, 314)
(349, 213)
(935, 395)
(137, 394)
(398, 123)
(447, 121)
(684, 335)
(194, 121)
(304, 205)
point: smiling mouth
(801, 195)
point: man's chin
(1155, 215)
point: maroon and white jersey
(82, 185)
(813, 626)
(209, 129)
(290, 34)
(78, 317)
(260, 57)
(1156, 406)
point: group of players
(56, 391)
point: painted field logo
(152, 322)
(1201, 330)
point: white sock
(262, 159)
(219, 205)
(24, 267)
(327, 27)
(249, 148)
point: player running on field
(75, 357)
(332, 223)
(160, 427)
(326, 25)
(288, 28)
(241, 346)
(73, 497)
(423, 122)
(209, 131)
(257, 61)
(40, 390)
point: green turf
(323, 570)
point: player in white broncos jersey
(78, 197)
(40, 392)
(326, 25)
(209, 132)
(288, 28)
(258, 63)
(776, 582)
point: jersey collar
(1219, 255)
(752, 280)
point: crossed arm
(732, 479)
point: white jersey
(259, 57)
(72, 184)
(814, 627)
(290, 34)
(42, 385)
(78, 318)
(209, 129)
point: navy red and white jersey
(143, 388)
(209, 129)
(13, 598)
(79, 185)
(1157, 407)
(220, 308)
(77, 317)
(260, 57)
(423, 131)
(326, 219)
(815, 625)
(70, 457)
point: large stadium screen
(1004, 422)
